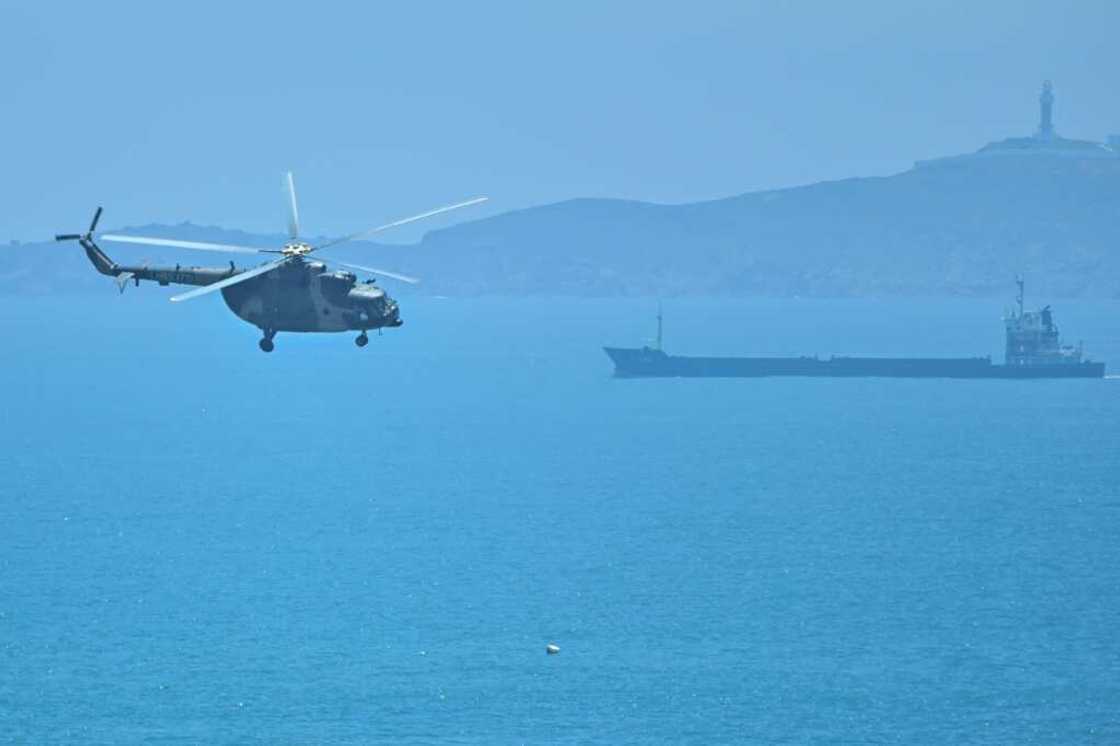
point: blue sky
(192, 112)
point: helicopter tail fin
(122, 280)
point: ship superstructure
(1033, 338)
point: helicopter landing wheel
(362, 340)
(266, 344)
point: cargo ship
(1033, 350)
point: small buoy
(552, 648)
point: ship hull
(650, 363)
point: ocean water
(201, 543)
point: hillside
(955, 228)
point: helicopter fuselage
(298, 296)
(304, 296)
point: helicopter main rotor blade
(231, 280)
(293, 211)
(372, 271)
(199, 245)
(395, 223)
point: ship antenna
(1019, 297)
(659, 326)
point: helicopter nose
(390, 314)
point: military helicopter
(293, 293)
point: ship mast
(1019, 297)
(659, 327)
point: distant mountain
(959, 226)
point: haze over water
(205, 543)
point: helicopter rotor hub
(296, 249)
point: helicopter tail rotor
(93, 225)
(88, 235)
(101, 262)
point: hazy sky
(193, 110)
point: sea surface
(202, 543)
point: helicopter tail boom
(98, 258)
(163, 275)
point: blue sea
(201, 543)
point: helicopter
(295, 292)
